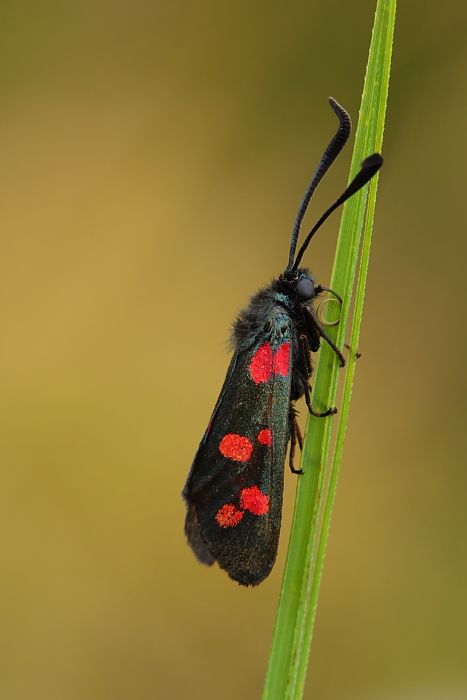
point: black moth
(234, 489)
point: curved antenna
(369, 168)
(329, 156)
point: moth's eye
(305, 289)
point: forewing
(234, 489)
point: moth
(234, 489)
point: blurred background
(153, 156)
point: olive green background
(153, 156)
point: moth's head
(299, 283)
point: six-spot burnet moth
(234, 489)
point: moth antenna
(369, 168)
(329, 156)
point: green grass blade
(288, 659)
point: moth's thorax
(274, 307)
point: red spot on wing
(265, 437)
(254, 500)
(251, 499)
(229, 516)
(236, 447)
(261, 364)
(281, 360)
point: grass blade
(293, 631)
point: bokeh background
(153, 156)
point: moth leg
(305, 364)
(330, 412)
(299, 433)
(304, 349)
(295, 436)
(357, 354)
(320, 330)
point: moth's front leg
(305, 366)
(318, 328)
(295, 436)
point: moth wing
(234, 489)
